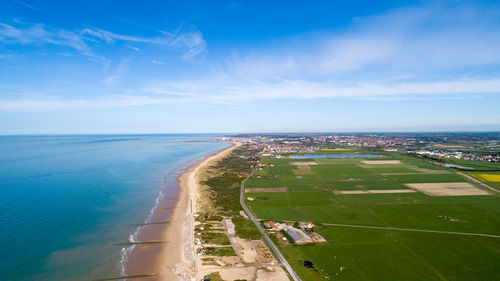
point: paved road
(410, 229)
(280, 256)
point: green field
(380, 254)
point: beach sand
(175, 259)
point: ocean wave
(125, 254)
(155, 206)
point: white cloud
(134, 48)
(191, 40)
(241, 91)
(223, 92)
(119, 71)
(156, 62)
(27, 5)
(39, 34)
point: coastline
(174, 261)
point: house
(273, 226)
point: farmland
(405, 196)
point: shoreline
(173, 261)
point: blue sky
(248, 66)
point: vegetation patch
(220, 251)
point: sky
(112, 67)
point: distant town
(464, 146)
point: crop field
(377, 225)
(492, 179)
(488, 177)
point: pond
(457, 166)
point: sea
(66, 201)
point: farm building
(298, 236)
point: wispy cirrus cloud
(118, 72)
(225, 92)
(27, 5)
(40, 34)
(134, 48)
(190, 40)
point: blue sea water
(64, 200)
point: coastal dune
(175, 260)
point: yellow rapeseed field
(488, 177)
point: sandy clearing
(375, 191)
(430, 171)
(309, 163)
(381, 162)
(274, 274)
(448, 189)
(245, 273)
(273, 189)
(304, 167)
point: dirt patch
(447, 146)
(351, 179)
(375, 191)
(246, 273)
(274, 189)
(381, 162)
(430, 171)
(309, 163)
(302, 172)
(275, 273)
(448, 189)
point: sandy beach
(175, 260)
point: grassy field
(377, 254)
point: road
(278, 254)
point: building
(298, 236)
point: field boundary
(407, 229)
